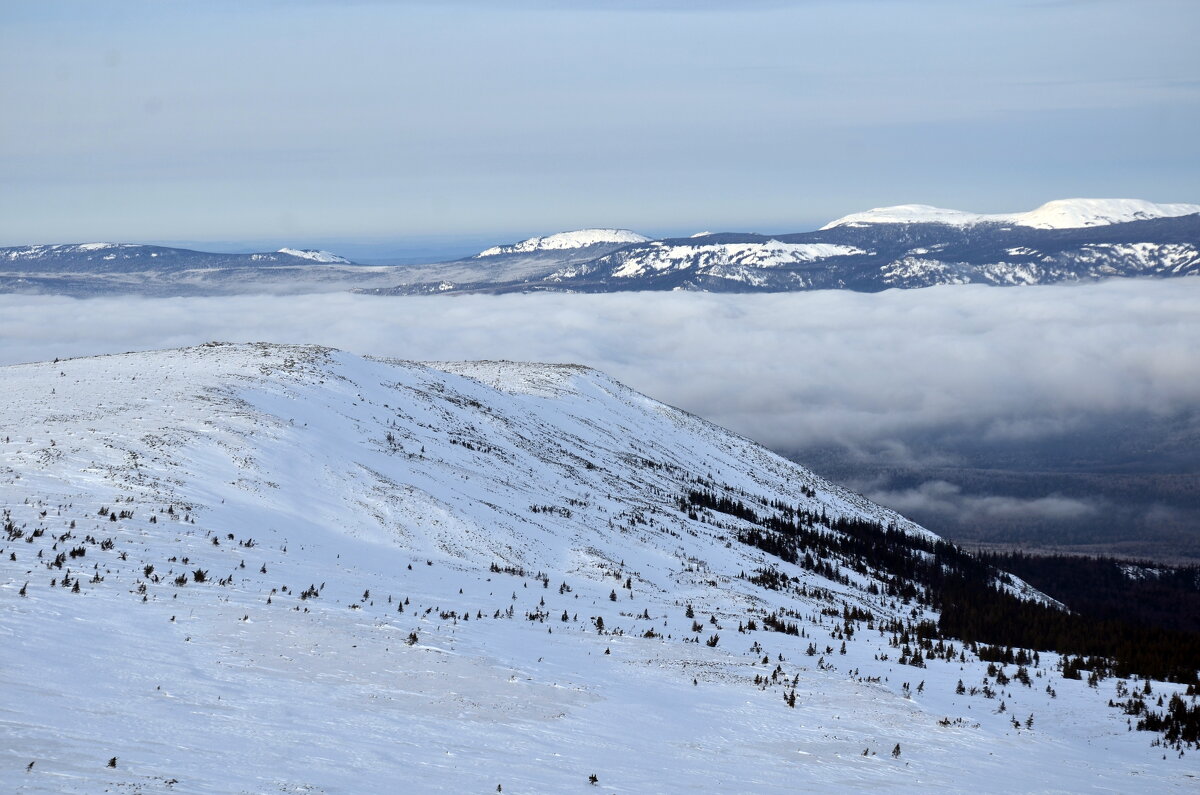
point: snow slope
(718, 257)
(580, 238)
(1058, 214)
(315, 255)
(747, 263)
(457, 577)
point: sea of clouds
(793, 371)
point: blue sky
(402, 124)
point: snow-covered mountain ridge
(478, 575)
(315, 255)
(580, 238)
(86, 269)
(728, 257)
(907, 246)
(1057, 214)
(113, 256)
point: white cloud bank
(790, 370)
(946, 500)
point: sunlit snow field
(239, 685)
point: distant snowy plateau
(907, 246)
(264, 568)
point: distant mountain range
(84, 269)
(905, 246)
(129, 257)
(891, 247)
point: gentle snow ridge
(315, 255)
(44, 251)
(1058, 214)
(580, 238)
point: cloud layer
(792, 370)
(947, 500)
(893, 392)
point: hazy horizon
(318, 121)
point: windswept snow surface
(580, 238)
(1058, 214)
(403, 567)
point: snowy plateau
(326, 257)
(1058, 214)
(580, 238)
(267, 568)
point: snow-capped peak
(1075, 213)
(1058, 214)
(315, 255)
(580, 238)
(907, 214)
